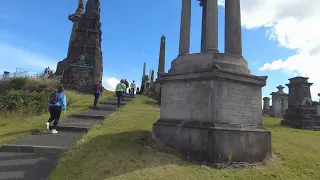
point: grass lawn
(16, 126)
(116, 150)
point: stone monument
(279, 102)
(143, 80)
(161, 67)
(266, 106)
(75, 19)
(210, 103)
(300, 113)
(85, 56)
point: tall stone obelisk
(161, 68)
(85, 57)
(75, 19)
(143, 80)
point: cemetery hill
(156, 90)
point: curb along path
(35, 156)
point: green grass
(14, 126)
(117, 150)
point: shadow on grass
(150, 102)
(114, 155)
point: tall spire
(80, 9)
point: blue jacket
(62, 101)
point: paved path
(35, 156)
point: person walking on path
(97, 92)
(120, 88)
(133, 88)
(57, 104)
(127, 85)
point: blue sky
(35, 34)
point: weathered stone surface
(213, 107)
(300, 113)
(184, 45)
(266, 106)
(85, 65)
(279, 102)
(74, 18)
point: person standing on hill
(120, 88)
(133, 88)
(127, 85)
(57, 104)
(97, 92)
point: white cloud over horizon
(293, 24)
(12, 57)
(110, 83)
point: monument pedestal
(212, 114)
(300, 113)
(301, 118)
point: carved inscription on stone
(238, 104)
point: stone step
(86, 116)
(124, 99)
(26, 166)
(105, 107)
(97, 113)
(43, 142)
(115, 103)
(78, 125)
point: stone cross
(162, 57)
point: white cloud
(17, 57)
(294, 24)
(110, 83)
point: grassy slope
(115, 150)
(17, 126)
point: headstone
(279, 102)
(266, 106)
(210, 102)
(85, 66)
(300, 113)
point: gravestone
(279, 102)
(266, 106)
(143, 80)
(85, 58)
(210, 102)
(300, 113)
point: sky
(281, 38)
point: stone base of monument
(212, 114)
(301, 118)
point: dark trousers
(120, 97)
(132, 92)
(96, 98)
(55, 113)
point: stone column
(319, 96)
(184, 45)
(203, 3)
(211, 25)
(162, 57)
(266, 105)
(233, 37)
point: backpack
(95, 87)
(53, 99)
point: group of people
(47, 73)
(58, 100)
(122, 87)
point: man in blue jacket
(57, 104)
